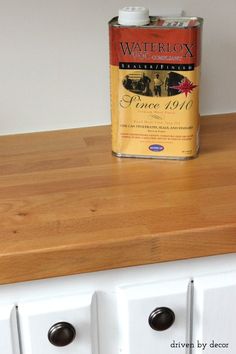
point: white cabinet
(72, 320)
(9, 343)
(192, 303)
(214, 319)
(168, 303)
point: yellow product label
(154, 112)
(155, 86)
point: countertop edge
(147, 249)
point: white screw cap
(134, 16)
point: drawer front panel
(168, 305)
(214, 314)
(9, 343)
(59, 325)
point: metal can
(154, 74)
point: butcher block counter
(67, 206)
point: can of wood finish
(154, 74)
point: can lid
(133, 16)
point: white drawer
(67, 317)
(170, 299)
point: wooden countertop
(68, 206)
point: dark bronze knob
(61, 334)
(161, 318)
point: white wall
(54, 60)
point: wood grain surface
(68, 206)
